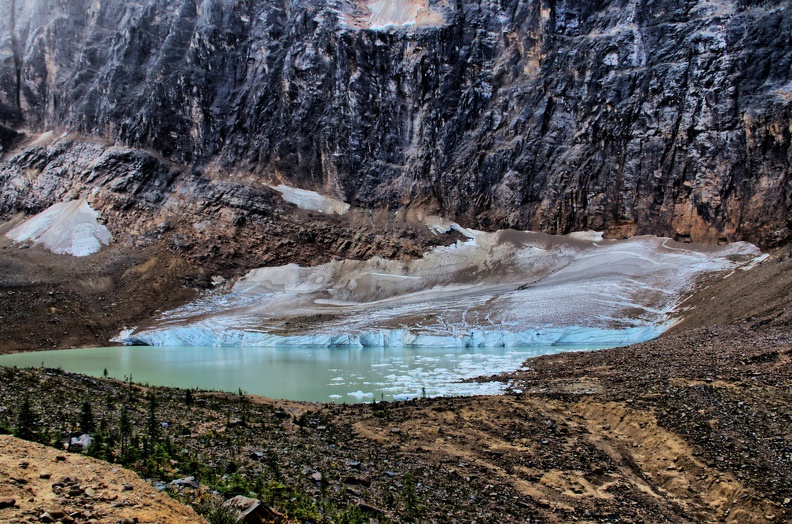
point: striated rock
(667, 117)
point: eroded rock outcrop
(654, 116)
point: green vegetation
(215, 513)
(413, 508)
(230, 445)
(86, 418)
(26, 421)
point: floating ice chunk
(311, 200)
(360, 395)
(66, 228)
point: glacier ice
(503, 289)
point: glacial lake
(311, 374)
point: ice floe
(66, 228)
(501, 289)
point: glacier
(494, 289)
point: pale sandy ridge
(93, 490)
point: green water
(318, 375)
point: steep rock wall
(669, 117)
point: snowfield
(66, 228)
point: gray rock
(55, 513)
(189, 482)
(672, 120)
(251, 511)
(81, 442)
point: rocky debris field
(42, 484)
(689, 428)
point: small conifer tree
(26, 421)
(151, 426)
(87, 424)
(124, 429)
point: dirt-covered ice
(66, 228)
(508, 288)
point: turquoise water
(317, 375)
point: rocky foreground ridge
(668, 117)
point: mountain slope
(667, 117)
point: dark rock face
(230, 223)
(669, 117)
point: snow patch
(66, 228)
(591, 236)
(755, 262)
(390, 14)
(311, 200)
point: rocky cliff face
(669, 117)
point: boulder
(252, 511)
(82, 442)
(188, 482)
